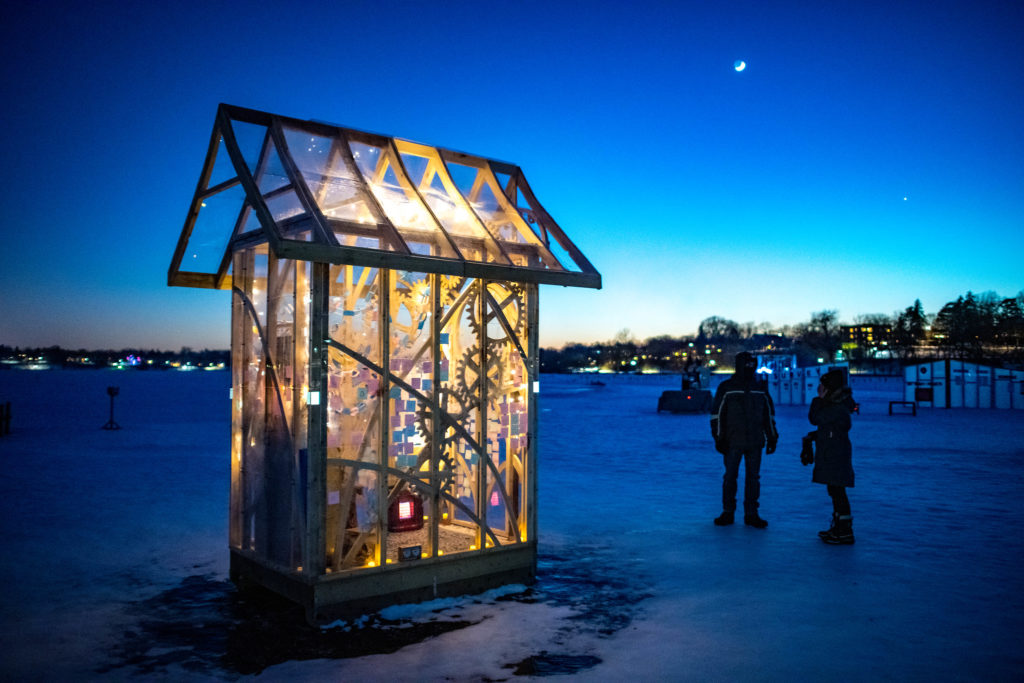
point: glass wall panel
(251, 288)
(286, 339)
(507, 423)
(459, 406)
(410, 418)
(239, 368)
(270, 363)
(354, 412)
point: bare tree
(623, 336)
(872, 319)
(718, 329)
(821, 334)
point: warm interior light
(406, 513)
(371, 563)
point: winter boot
(841, 533)
(754, 520)
(831, 528)
(724, 519)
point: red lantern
(406, 512)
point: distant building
(874, 341)
(867, 336)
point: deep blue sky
(867, 156)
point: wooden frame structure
(384, 354)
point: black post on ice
(112, 392)
(5, 418)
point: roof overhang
(314, 191)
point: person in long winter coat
(742, 423)
(833, 459)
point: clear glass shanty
(383, 352)
(426, 405)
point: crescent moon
(740, 65)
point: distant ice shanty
(961, 384)
(384, 358)
(790, 384)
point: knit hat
(833, 380)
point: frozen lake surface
(115, 550)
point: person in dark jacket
(742, 423)
(833, 460)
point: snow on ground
(115, 560)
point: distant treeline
(92, 358)
(983, 328)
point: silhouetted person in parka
(833, 462)
(742, 423)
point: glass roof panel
(250, 138)
(212, 231)
(223, 169)
(428, 174)
(503, 179)
(363, 241)
(284, 205)
(416, 167)
(532, 216)
(465, 177)
(462, 225)
(327, 172)
(399, 200)
(270, 174)
(348, 234)
(559, 252)
(251, 221)
(523, 246)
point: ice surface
(115, 550)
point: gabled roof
(319, 192)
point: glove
(770, 448)
(807, 450)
